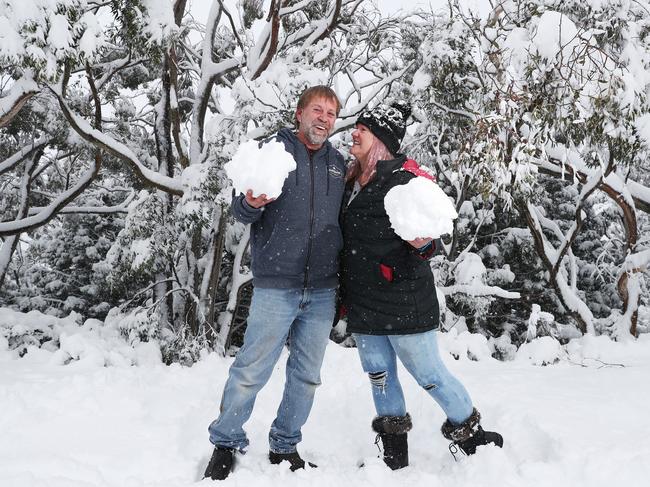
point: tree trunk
(11, 243)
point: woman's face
(362, 140)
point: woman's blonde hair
(363, 174)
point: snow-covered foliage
(117, 118)
(127, 111)
(68, 339)
(44, 35)
(533, 116)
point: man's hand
(257, 201)
(420, 242)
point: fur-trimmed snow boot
(393, 432)
(469, 434)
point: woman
(389, 294)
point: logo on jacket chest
(335, 172)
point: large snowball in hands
(419, 208)
(262, 170)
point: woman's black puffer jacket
(387, 286)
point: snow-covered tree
(544, 87)
(139, 98)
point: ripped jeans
(419, 354)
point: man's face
(316, 121)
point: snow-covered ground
(580, 422)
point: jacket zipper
(311, 217)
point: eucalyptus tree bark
(564, 291)
(240, 278)
(10, 243)
(628, 202)
(19, 94)
(212, 272)
(167, 137)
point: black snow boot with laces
(220, 464)
(295, 460)
(393, 432)
(469, 434)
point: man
(295, 242)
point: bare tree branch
(49, 212)
(12, 161)
(90, 210)
(19, 94)
(271, 42)
(100, 139)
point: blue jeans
(419, 354)
(304, 316)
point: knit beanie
(387, 123)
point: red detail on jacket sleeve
(414, 168)
(386, 272)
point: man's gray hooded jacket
(296, 239)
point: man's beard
(315, 138)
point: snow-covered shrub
(540, 323)
(62, 275)
(465, 345)
(549, 87)
(517, 117)
(504, 349)
(67, 340)
(135, 326)
(541, 351)
(34, 329)
(470, 272)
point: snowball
(419, 208)
(262, 170)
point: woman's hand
(420, 242)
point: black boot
(469, 434)
(220, 464)
(293, 458)
(393, 432)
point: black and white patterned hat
(387, 123)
